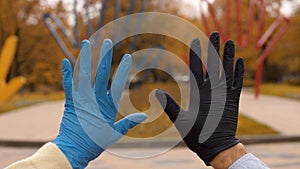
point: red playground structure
(276, 29)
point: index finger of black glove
(167, 102)
(228, 62)
(195, 61)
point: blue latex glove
(88, 125)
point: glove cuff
(75, 156)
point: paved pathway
(276, 156)
(280, 113)
(41, 122)
(34, 123)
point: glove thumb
(122, 126)
(167, 102)
(67, 79)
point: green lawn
(246, 126)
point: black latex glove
(207, 128)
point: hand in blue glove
(88, 125)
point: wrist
(227, 157)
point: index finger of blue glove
(67, 79)
(85, 66)
(120, 79)
(103, 71)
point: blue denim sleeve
(248, 161)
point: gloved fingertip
(229, 50)
(215, 40)
(128, 122)
(127, 59)
(195, 49)
(106, 51)
(66, 68)
(161, 97)
(65, 60)
(136, 118)
(195, 42)
(240, 66)
(159, 92)
(214, 35)
(107, 41)
(239, 73)
(84, 42)
(66, 64)
(229, 42)
(240, 60)
(107, 44)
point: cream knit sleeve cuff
(48, 156)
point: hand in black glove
(209, 127)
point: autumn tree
(275, 69)
(38, 56)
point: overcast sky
(286, 8)
(192, 7)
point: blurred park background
(35, 35)
(38, 54)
